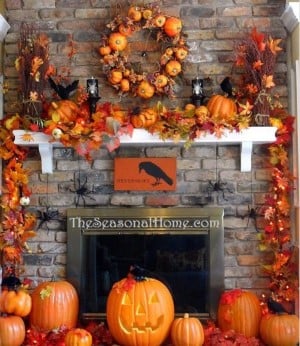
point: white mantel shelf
(246, 139)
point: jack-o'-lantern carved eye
(126, 300)
(153, 299)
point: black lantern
(197, 89)
(93, 93)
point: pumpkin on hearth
(280, 329)
(78, 337)
(239, 310)
(140, 311)
(12, 330)
(187, 331)
(222, 108)
(63, 111)
(16, 302)
(54, 304)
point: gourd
(63, 111)
(78, 337)
(280, 329)
(54, 304)
(241, 311)
(187, 331)
(16, 302)
(12, 330)
(222, 108)
(140, 311)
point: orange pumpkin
(78, 337)
(104, 50)
(145, 90)
(187, 331)
(145, 119)
(241, 311)
(117, 41)
(125, 30)
(115, 76)
(124, 85)
(15, 302)
(139, 312)
(173, 68)
(181, 53)
(12, 331)
(280, 330)
(173, 26)
(222, 108)
(161, 81)
(135, 13)
(63, 111)
(54, 304)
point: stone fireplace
(182, 247)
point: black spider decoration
(82, 192)
(46, 216)
(218, 186)
(252, 214)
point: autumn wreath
(114, 50)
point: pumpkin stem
(137, 272)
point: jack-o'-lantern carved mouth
(138, 318)
(141, 328)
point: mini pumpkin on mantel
(140, 310)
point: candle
(92, 87)
(197, 86)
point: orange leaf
(273, 45)
(268, 81)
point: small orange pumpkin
(222, 108)
(145, 90)
(115, 76)
(12, 330)
(241, 311)
(187, 331)
(145, 119)
(173, 26)
(78, 337)
(135, 13)
(124, 85)
(280, 330)
(181, 53)
(173, 68)
(15, 302)
(117, 41)
(125, 30)
(104, 50)
(161, 81)
(54, 304)
(63, 111)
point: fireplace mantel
(245, 138)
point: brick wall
(211, 27)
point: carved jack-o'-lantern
(139, 311)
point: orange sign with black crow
(147, 174)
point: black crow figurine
(226, 86)
(64, 92)
(155, 171)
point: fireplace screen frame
(178, 220)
